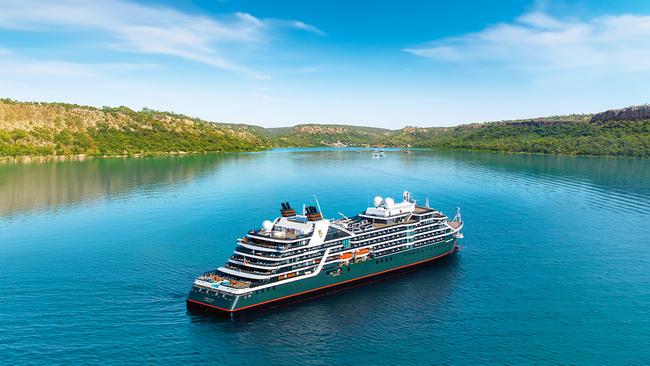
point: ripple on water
(553, 268)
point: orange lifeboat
(345, 257)
(361, 253)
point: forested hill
(623, 132)
(67, 129)
(611, 134)
(55, 129)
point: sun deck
(215, 279)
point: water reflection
(633, 174)
(626, 174)
(36, 187)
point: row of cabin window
(378, 233)
(400, 242)
(389, 259)
(265, 289)
(421, 250)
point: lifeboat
(345, 257)
(362, 253)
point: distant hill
(320, 135)
(56, 129)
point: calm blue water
(96, 258)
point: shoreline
(40, 159)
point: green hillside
(580, 136)
(56, 129)
(67, 129)
(320, 135)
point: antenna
(304, 209)
(426, 203)
(318, 204)
(458, 218)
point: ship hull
(334, 276)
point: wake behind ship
(295, 254)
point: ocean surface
(97, 257)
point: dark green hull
(353, 272)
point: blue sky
(380, 63)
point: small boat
(345, 257)
(378, 154)
(362, 253)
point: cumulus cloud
(537, 41)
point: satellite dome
(389, 202)
(267, 225)
(377, 201)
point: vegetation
(613, 138)
(320, 135)
(66, 129)
(567, 135)
(54, 129)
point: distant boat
(378, 154)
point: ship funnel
(287, 211)
(313, 214)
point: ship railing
(246, 260)
(274, 254)
(271, 271)
(248, 270)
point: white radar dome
(377, 201)
(389, 202)
(267, 225)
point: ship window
(348, 269)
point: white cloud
(146, 29)
(307, 27)
(537, 42)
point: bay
(96, 258)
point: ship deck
(454, 224)
(377, 225)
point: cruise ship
(300, 254)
